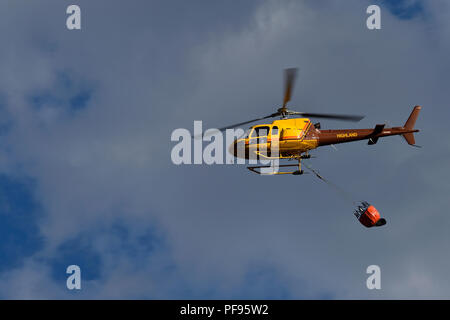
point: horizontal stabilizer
(409, 137)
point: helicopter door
(274, 140)
(258, 139)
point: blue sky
(404, 9)
(20, 211)
(86, 176)
(64, 94)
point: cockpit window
(260, 132)
(246, 134)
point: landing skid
(257, 169)
(276, 169)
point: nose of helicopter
(237, 149)
(233, 148)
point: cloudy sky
(86, 176)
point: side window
(260, 133)
(263, 131)
(275, 131)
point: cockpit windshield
(247, 132)
(260, 132)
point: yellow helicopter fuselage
(290, 137)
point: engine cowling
(291, 134)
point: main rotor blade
(344, 117)
(240, 124)
(290, 75)
(246, 122)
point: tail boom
(328, 137)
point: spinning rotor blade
(290, 75)
(246, 122)
(344, 117)
(239, 124)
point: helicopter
(293, 138)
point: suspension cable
(342, 192)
